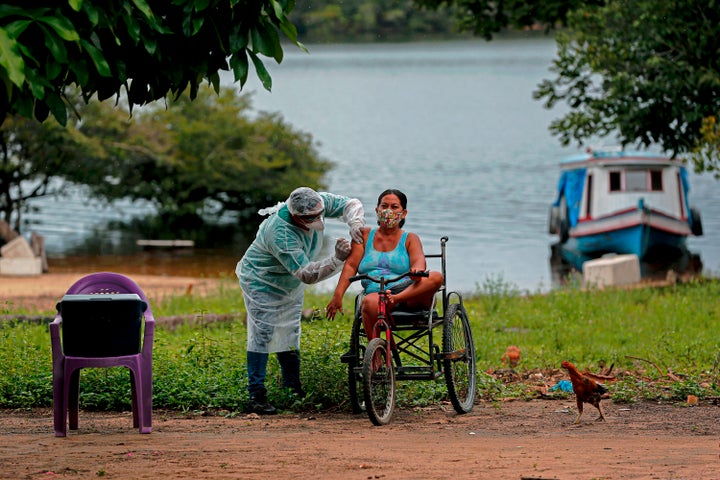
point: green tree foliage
(378, 20)
(646, 70)
(706, 154)
(488, 17)
(33, 158)
(369, 20)
(146, 48)
(195, 161)
(201, 158)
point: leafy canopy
(196, 162)
(146, 48)
(488, 17)
(203, 158)
(643, 69)
(706, 154)
(646, 71)
(33, 158)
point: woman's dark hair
(400, 195)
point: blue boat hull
(649, 244)
(566, 259)
(637, 240)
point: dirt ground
(514, 440)
(506, 440)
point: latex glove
(342, 249)
(356, 232)
(314, 272)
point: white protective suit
(279, 264)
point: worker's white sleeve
(354, 216)
(314, 272)
(354, 213)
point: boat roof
(616, 158)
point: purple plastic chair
(66, 368)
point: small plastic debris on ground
(563, 386)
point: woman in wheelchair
(387, 251)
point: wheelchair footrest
(418, 376)
(416, 373)
(455, 355)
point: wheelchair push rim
(459, 359)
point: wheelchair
(407, 349)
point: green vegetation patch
(662, 344)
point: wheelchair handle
(365, 276)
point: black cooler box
(101, 325)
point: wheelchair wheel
(459, 359)
(378, 383)
(358, 342)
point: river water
(451, 124)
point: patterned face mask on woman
(389, 218)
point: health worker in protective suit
(273, 275)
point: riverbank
(41, 293)
(663, 436)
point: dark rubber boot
(290, 366)
(259, 404)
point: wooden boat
(623, 202)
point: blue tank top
(384, 264)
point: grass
(663, 342)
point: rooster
(586, 390)
(511, 356)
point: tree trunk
(6, 232)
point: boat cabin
(623, 201)
(608, 184)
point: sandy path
(44, 291)
(517, 440)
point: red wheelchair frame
(407, 350)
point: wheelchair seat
(419, 317)
(416, 318)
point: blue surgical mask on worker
(388, 217)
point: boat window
(636, 180)
(656, 180)
(615, 185)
